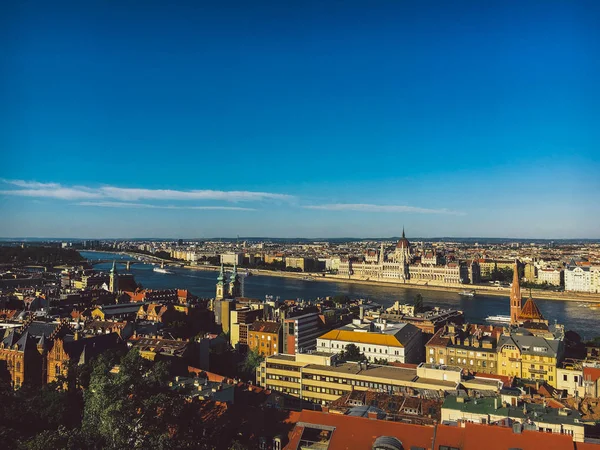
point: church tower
(220, 285)
(234, 284)
(515, 296)
(113, 285)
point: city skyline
(300, 120)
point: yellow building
(317, 378)
(523, 355)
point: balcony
(538, 371)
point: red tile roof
(360, 433)
(352, 432)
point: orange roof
(530, 311)
(363, 338)
(358, 432)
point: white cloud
(365, 207)
(28, 184)
(168, 194)
(55, 190)
(150, 206)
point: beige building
(318, 378)
(553, 277)
(298, 263)
(471, 347)
(398, 266)
(232, 259)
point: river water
(573, 315)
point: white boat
(498, 319)
(467, 293)
(161, 269)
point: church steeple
(113, 279)
(515, 296)
(234, 283)
(220, 295)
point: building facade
(265, 338)
(471, 347)
(400, 342)
(401, 265)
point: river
(573, 315)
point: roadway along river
(573, 315)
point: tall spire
(403, 232)
(515, 296)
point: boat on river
(498, 319)
(467, 293)
(161, 269)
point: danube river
(575, 316)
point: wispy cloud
(55, 190)
(365, 207)
(151, 206)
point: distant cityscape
(406, 365)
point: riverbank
(483, 289)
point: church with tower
(225, 289)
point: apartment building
(265, 337)
(553, 277)
(319, 378)
(300, 332)
(472, 347)
(529, 416)
(524, 355)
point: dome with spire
(403, 242)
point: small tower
(220, 285)
(234, 284)
(515, 296)
(113, 285)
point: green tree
(251, 363)
(352, 353)
(133, 408)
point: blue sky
(308, 119)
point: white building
(550, 276)
(578, 279)
(398, 266)
(232, 258)
(394, 342)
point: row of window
(284, 389)
(271, 376)
(463, 361)
(321, 390)
(283, 367)
(366, 384)
(361, 348)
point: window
(565, 377)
